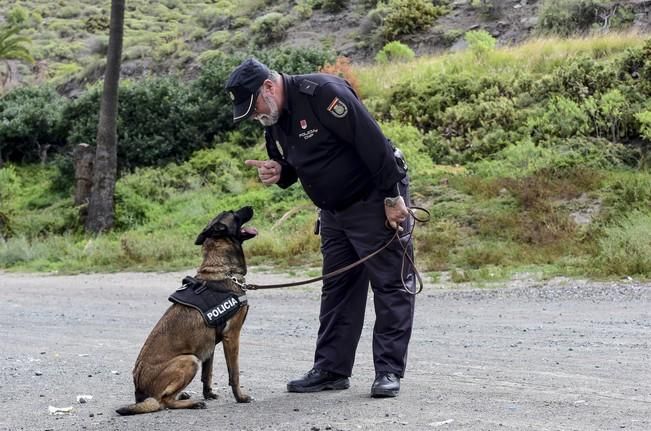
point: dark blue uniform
(327, 139)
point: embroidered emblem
(303, 124)
(338, 108)
(230, 93)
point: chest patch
(338, 108)
(215, 302)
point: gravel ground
(528, 355)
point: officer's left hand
(396, 214)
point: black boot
(318, 380)
(385, 385)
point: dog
(182, 340)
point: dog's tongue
(250, 230)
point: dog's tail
(148, 405)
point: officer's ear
(268, 86)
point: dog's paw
(199, 405)
(244, 399)
(210, 395)
(184, 396)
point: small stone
(38, 373)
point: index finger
(255, 163)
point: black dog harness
(212, 299)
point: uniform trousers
(346, 236)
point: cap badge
(303, 124)
(230, 93)
(338, 108)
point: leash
(396, 235)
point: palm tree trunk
(101, 206)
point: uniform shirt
(327, 139)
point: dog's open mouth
(247, 232)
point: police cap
(242, 86)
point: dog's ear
(214, 230)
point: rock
(83, 399)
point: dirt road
(555, 355)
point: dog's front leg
(231, 344)
(206, 378)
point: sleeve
(288, 173)
(341, 112)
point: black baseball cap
(243, 85)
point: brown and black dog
(181, 341)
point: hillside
(69, 38)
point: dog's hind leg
(178, 374)
(231, 343)
(206, 378)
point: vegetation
(528, 157)
(394, 52)
(510, 157)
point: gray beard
(272, 118)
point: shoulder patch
(308, 87)
(337, 108)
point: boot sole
(386, 393)
(336, 385)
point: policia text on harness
(212, 299)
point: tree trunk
(101, 206)
(83, 158)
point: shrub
(30, 119)
(409, 16)
(96, 24)
(561, 117)
(625, 247)
(577, 79)
(269, 28)
(342, 69)
(490, 8)
(611, 114)
(156, 122)
(480, 42)
(394, 52)
(333, 6)
(628, 191)
(303, 9)
(566, 17)
(410, 141)
(17, 16)
(297, 60)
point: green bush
(561, 117)
(625, 247)
(30, 123)
(333, 6)
(567, 17)
(628, 191)
(394, 52)
(525, 158)
(303, 9)
(17, 16)
(480, 42)
(156, 122)
(409, 16)
(577, 79)
(269, 28)
(410, 141)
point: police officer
(318, 132)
